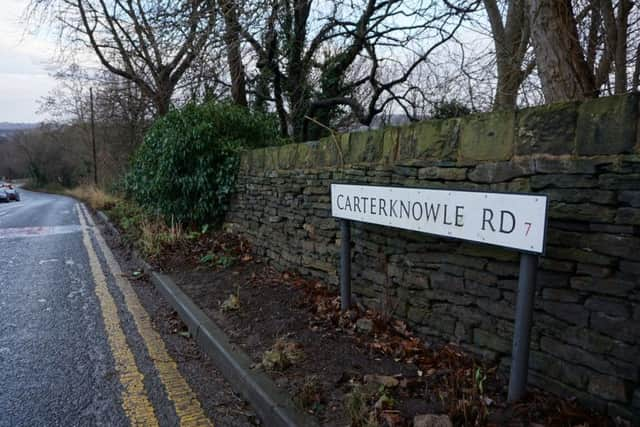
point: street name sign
(511, 220)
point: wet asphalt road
(56, 364)
(54, 356)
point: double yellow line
(135, 402)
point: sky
(25, 65)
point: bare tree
(122, 115)
(315, 60)
(562, 67)
(232, 41)
(151, 44)
(582, 48)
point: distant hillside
(17, 126)
(8, 128)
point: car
(4, 196)
(11, 191)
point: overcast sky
(24, 66)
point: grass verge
(95, 197)
(149, 234)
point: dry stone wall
(586, 157)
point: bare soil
(360, 368)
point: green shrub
(186, 167)
(129, 217)
(449, 110)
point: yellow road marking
(135, 403)
(185, 401)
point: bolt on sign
(511, 220)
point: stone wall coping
(595, 128)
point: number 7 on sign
(528, 224)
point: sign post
(522, 330)
(345, 265)
(510, 220)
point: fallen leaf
(384, 402)
(231, 304)
(384, 380)
(392, 418)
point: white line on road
(9, 209)
(12, 233)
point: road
(76, 345)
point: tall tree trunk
(510, 77)
(510, 40)
(162, 102)
(506, 89)
(562, 67)
(234, 55)
(635, 80)
(262, 90)
(297, 87)
(622, 23)
(280, 109)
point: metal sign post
(522, 330)
(345, 264)
(510, 220)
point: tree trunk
(635, 80)
(622, 23)
(297, 87)
(162, 98)
(234, 55)
(510, 41)
(562, 67)
(507, 89)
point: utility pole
(93, 140)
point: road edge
(274, 407)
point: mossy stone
(365, 147)
(487, 137)
(343, 144)
(550, 129)
(436, 139)
(271, 158)
(326, 153)
(304, 154)
(492, 172)
(245, 161)
(257, 159)
(607, 125)
(287, 156)
(407, 142)
(390, 144)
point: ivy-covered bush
(186, 167)
(449, 110)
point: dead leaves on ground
(467, 391)
(282, 354)
(470, 393)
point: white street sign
(511, 220)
